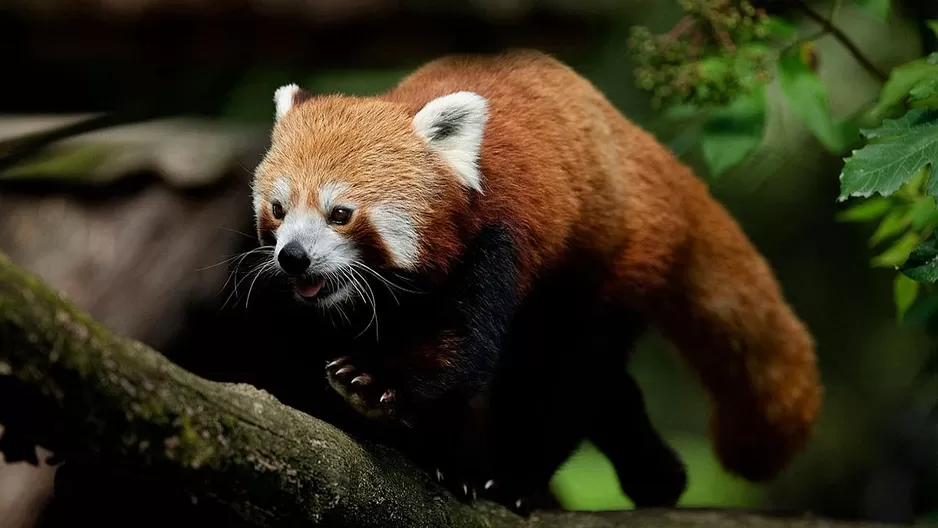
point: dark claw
(363, 379)
(439, 475)
(344, 370)
(489, 484)
(387, 397)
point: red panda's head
(351, 184)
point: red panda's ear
(286, 97)
(453, 126)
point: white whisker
(385, 281)
(237, 267)
(237, 283)
(233, 257)
(361, 285)
(355, 285)
(268, 266)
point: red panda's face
(350, 186)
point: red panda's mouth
(308, 287)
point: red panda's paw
(469, 490)
(360, 390)
(466, 488)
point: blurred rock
(136, 239)
(184, 153)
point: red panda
(512, 185)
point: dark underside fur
(563, 378)
(491, 390)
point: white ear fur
(453, 126)
(283, 99)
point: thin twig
(844, 40)
(810, 38)
(682, 25)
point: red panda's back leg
(650, 472)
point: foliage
(716, 63)
(893, 175)
(717, 53)
(889, 172)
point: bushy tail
(728, 317)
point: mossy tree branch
(84, 392)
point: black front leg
(452, 351)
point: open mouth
(315, 289)
(310, 287)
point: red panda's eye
(277, 210)
(340, 215)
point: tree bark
(82, 391)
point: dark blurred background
(128, 220)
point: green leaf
(681, 112)
(780, 28)
(807, 96)
(897, 151)
(924, 90)
(684, 141)
(902, 125)
(733, 132)
(894, 223)
(902, 79)
(932, 25)
(846, 132)
(923, 313)
(905, 291)
(877, 8)
(923, 213)
(898, 252)
(869, 209)
(922, 264)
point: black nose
(293, 259)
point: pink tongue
(309, 291)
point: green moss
(193, 449)
(152, 411)
(229, 423)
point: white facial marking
(342, 294)
(398, 232)
(258, 199)
(328, 251)
(283, 99)
(329, 195)
(281, 192)
(453, 125)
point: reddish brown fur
(572, 176)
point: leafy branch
(830, 29)
(890, 172)
(717, 60)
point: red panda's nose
(293, 259)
